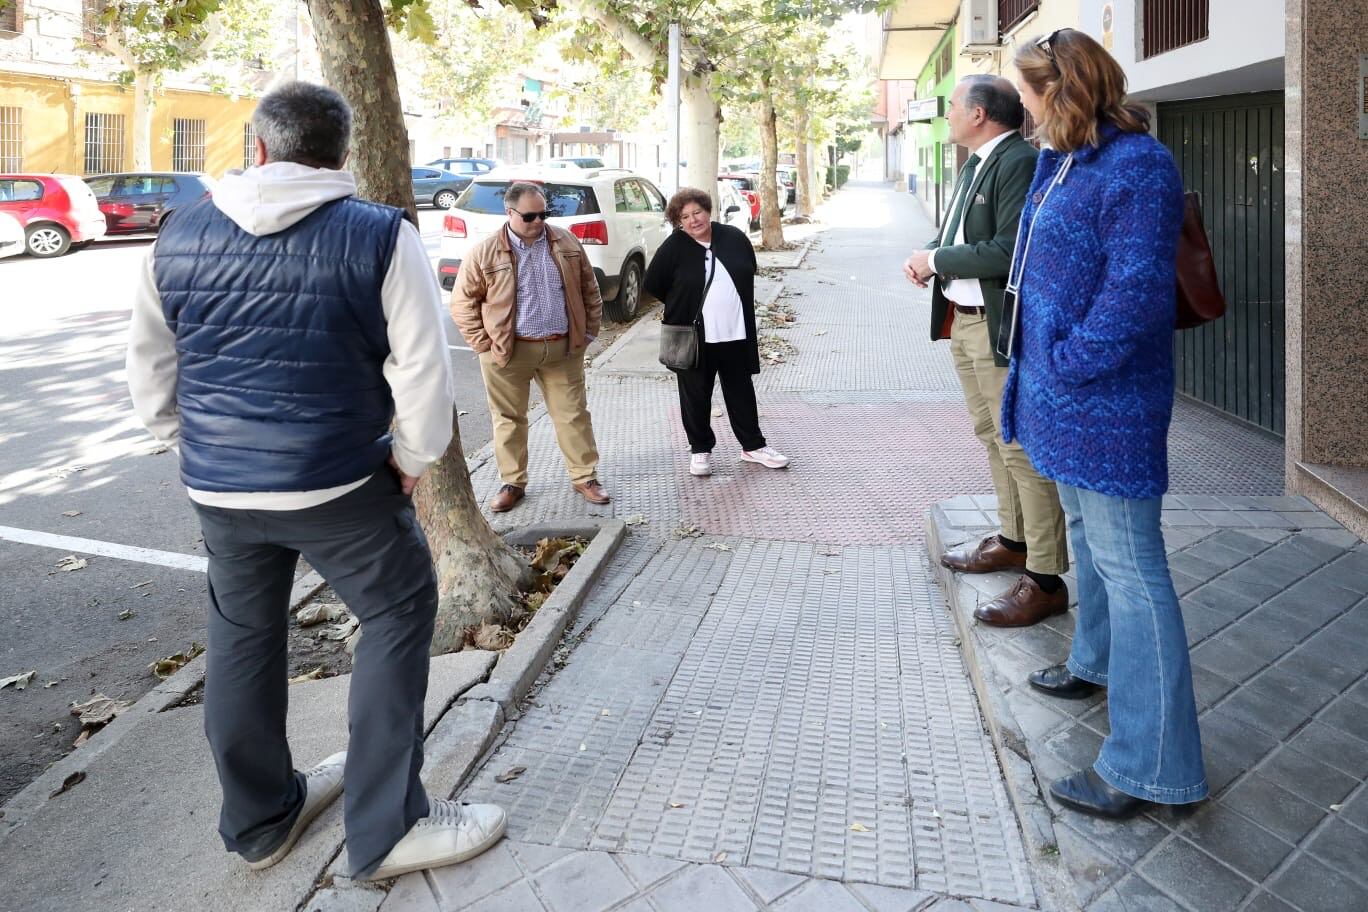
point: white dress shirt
(966, 292)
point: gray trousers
(367, 544)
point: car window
(561, 199)
(425, 174)
(620, 201)
(20, 191)
(101, 186)
(168, 185)
(653, 196)
(637, 197)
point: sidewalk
(768, 701)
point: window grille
(187, 145)
(248, 145)
(1170, 24)
(11, 139)
(104, 143)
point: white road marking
(106, 549)
(460, 348)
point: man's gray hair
(998, 97)
(304, 123)
(518, 189)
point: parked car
(788, 179)
(11, 236)
(57, 211)
(137, 203)
(735, 211)
(750, 180)
(582, 162)
(435, 187)
(752, 197)
(464, 165)
(618, 216)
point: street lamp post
(672, 108)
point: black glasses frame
(530, 217)
(1046, 44)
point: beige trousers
(1028, 504)
(560, 375)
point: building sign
(926, 108)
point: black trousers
(730, 362)
(368, 546)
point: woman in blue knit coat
(1089, 395)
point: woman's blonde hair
(1080, 86)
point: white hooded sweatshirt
(267, 200)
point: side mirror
(731, 209)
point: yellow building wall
(54, 122)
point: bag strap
(707, 253)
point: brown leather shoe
(991, 554)
(593, 492)
(1023, 605)
(506, 499)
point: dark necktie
(966, 181)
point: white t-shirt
(722, 317)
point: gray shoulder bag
(680, 346)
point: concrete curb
(521, 663)
(621, 341)
(27, 803)
(1050, 875)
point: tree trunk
(357, 61)
(771, 224)
(805, 203)
(143, 105)
(700, 122)
(477, 572)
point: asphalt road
(76, 463)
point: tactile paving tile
(823, 690)
(1212, 454)
(851, 479)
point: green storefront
(934, 160)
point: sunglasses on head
(530, 217)
(1046, 44)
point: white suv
(617, 215)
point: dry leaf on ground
(508, 775)
(19, 681)
(320, 612)
(125, 614)
(688, 532)
(71, 562)
(636, 519)
(677, 804)
(493, 637)
(340, 631)
(72, 780)
(71, 512)
(718, 546)
(316, 674)
(141, 585)
(165, 668)
(98, 711)
(859, 828)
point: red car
(57, 211)
(751, 196)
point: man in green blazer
(966, 266)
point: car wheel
(623, 307)
(47, 240)
(445, 199)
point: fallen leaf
(71, 562)
(319, 612)
(1336, 807)
(20, 681)
(68, 783)
(51, 684)
(718, 546)
(935, 813)
(859, 828)
(315, 675)
(820, 332)
(165, 668)
(71, 512)
(604, 712)
(350, 644)
(636, 519)
(125, 614)
(688, 532)
(341, 631)
(98, 711)
(551, 551)
(829, 553)
(493, 637)
(140, 585)
(462, 413)
(677, 804)
(159, 449)
(719, 857)
(508, 775)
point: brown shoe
(991, 554)
(506, 499)
(593, 492)
(1023, 605)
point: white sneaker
(451, 832)
(767, 456)
(700, 464)
(322, 785)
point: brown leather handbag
(1199, 290)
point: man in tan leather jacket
(527, 302)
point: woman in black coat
(701, 258)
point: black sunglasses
(530, 217)
(1046, 44)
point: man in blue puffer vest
(280, 328)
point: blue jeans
(1126, 598)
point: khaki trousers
(560, 375)
(1028, 504)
